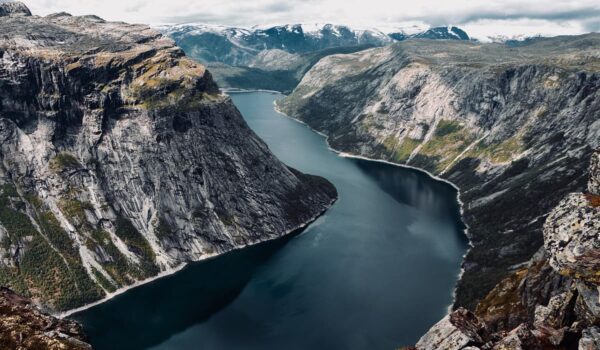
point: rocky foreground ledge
(122, 161)
(554, 302)
(23, 326)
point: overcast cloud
(489, 17)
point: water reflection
(374, 273)
(416, 189)
(146, 316)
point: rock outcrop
(121, 160)
(23, 327)
(537, 308)
(513, 127)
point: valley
(385, 257)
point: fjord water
(375, 272)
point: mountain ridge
(457, 110)
(121, 160)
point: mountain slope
(239, 46)
(276, 58)
(549, 303)
(512, 127)
(121, 160)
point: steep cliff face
(120, 160)
(513, 127)
(553, 302)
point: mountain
(512, 127)
(549, 303)
(122, 161)
(276, 58)
(239, 46)
(436, 33)
(274, 69)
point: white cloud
(506, 16)
(493, 29)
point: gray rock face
(590, 339)
(572, 238)
(514, 128)
(457, 331)
(594, 183)
(121, 160)
(567, 307)
(14, 9)
(572, 231)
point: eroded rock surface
(120, 160)
(458, 330)
(554, 301)
(571, 237)
(24, 327)
(514, 128)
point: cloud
(508, 15)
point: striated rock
(23, 327)
(458, 330)
(120, 160)
(513, 127)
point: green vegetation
(502, 152)
(446, 127)
(104, 282)
(138, 245)
(163, 230)
(226, 219)
(449, 140)
(63, 161)
(49, 266)
(118, 268)
(9, 190)
(406, 148)
(75, 211)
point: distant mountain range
(276, 57)
(239, 46)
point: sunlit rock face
(513, 127)
(121, 160)
(458, 330)
(572, 237)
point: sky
(479, 18)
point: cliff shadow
(150, 314)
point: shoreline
(182, 266)
(342, 154)
(435, 177)
(239, 90)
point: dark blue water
(373, 273)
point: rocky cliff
(23, 326)
(121, 160)
(513, 127)
(552, 302)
